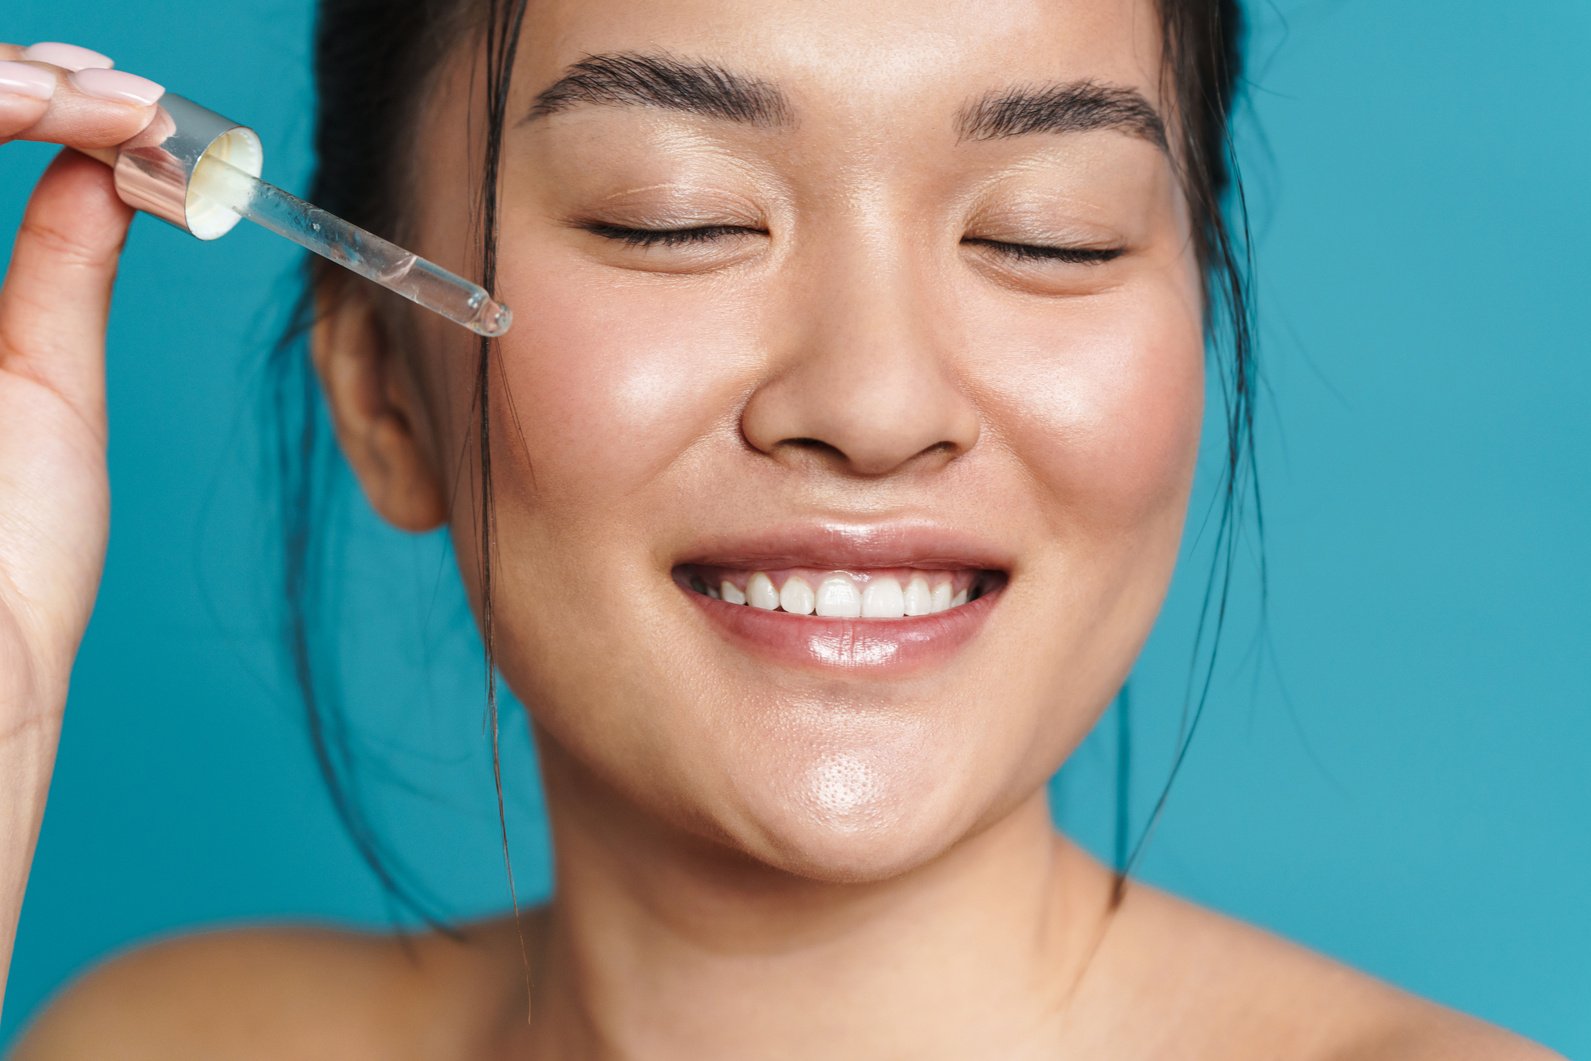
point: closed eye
(1035, 252)
(675, 237)
(665, 237)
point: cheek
(613, 381)
(1102, 401)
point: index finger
(86, 107)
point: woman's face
(852, 378)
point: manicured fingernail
(21, 79)
(117, 85)
(69, 56)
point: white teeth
(841, 596)
(796, 597)
(883, 599)
(837, 598)
(760, 592)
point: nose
(863, 378)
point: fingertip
(114, 130)
(118, 86)
(67, 56)
(90, 108)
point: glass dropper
(350, 246)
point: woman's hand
(54, 496)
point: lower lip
(867, 646)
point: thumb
(55, 302)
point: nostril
(817, 446)
(818, 452)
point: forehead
(883, 69)
(867, 61)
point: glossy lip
(892, 647)
(839, 546)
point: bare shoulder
(271, 991)
(1272, 991)
(1443, 1036)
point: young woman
(817, 506)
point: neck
(660, 946)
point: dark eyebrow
(660, 80)
(1065, 107)
(664, 81)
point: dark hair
(373, 62)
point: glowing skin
(1051, 409)
(659, 392)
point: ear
(376, 414)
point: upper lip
(835, 544)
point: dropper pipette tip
(494, 321)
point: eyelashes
(676, 237)
(665, 237)
(1068, 255)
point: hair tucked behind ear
(374, 61)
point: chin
(851, 819)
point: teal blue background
(1391, 770)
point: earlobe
(376, 426)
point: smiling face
(923, 340)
